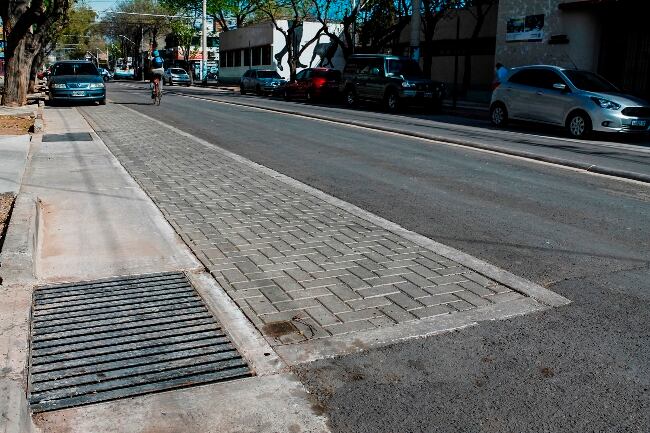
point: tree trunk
(17, 69)
(467, 65)
(37, 62)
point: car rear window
(75, 69)
(330, 75)
(268, 74)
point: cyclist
(157, 72)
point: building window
(247, 56)
(256, 56)
(222, 58)
(237, 54)
(231, 58)
(266, 55)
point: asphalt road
(584, 367)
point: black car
(76, 80)
(393, 80)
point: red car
(314, 84)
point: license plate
(78, 93)
(428, 94)
(638, 123)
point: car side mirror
(561, 86)
(374, 71)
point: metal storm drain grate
(103, 340)
(68, 136)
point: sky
(101, 5)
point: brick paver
(280, 252)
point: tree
(434, 12)
(295, 12)
(479, 9)
(26, 24)
(384, 22)
(131, 20)
(328, 11)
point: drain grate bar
(121, 337)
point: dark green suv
(396, 81)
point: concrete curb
(18, 280)
(535, 291)
(631, 175)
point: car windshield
(404, 67)
(178, 71)
(589, 81)
(330, 75)
(268, 74)
(75, 69)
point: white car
(176, 76)
(581, 101)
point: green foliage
(81, 34)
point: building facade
(262, 46)
(610, 37)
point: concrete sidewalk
(80, 216)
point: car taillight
(319, 81)
(495, 85)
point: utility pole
(204, 43)
(415, 31)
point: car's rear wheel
(391, 101)
(310, 96)
(498, 114)
(350, 97)
(579, 124)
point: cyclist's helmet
(155, 53)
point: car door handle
(539, 92)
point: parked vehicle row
(394, 81)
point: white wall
(265, 33)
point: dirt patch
(6, 203)
(15, 125)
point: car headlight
(408, 85)
(96, 85)
(606, 103)
(58, 85)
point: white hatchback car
(579, 100)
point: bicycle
(156, 91)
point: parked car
(313, 84)
(76, 80)
(122, 74)
(581, 101)
(261, 81)
(176, 76)
(396, 81)
(106, 74)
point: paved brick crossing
(281, 253)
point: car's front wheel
(242, 89)
(578, 124)
(498, 114)
(350, 97)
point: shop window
(256, 56)
(237, 54)
(266, 55)
(247, 56)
